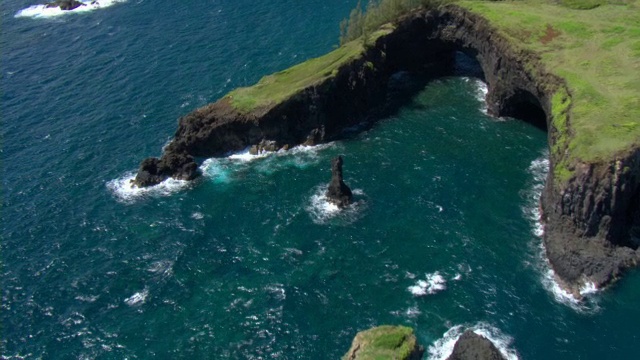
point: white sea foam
(322, 210)
(481, 94)
(41, 11)
(538, 170)
(442, 348)
(433, 283)
(126, 192)
(138, 298)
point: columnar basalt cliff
(590, 216)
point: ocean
(250, 261)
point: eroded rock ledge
(590, 218)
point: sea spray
(442, 348)
(42, 11)
(538, 170)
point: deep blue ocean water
(249, 262)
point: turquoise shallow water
(248, 262)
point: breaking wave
(538, 170)
(41, 11)
(126, 192)
(323, 211)
(442, 348)
(434, 283)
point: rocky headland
(591, 209)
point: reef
(591, 209)
(471, 346)
(385, 342)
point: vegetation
(597, 52)
(275, 88)
(593, 44)
(378, 12)
(383, 342)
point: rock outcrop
(471, 346)
(385, 342)
(338, 192)
(65, 4)
(589, 218)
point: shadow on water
(404, 84)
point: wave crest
(42, 11)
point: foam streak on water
(433, 283)
(41, 11)
(126, 192)
(442, 348)
(539, 169)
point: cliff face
(593, 222)
(589, 217)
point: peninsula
(571, 67)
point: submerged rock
(471, 346)
(65, 4)
(385, 342)
(338, 192)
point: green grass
(597, 51)
(385, 342)
(275, 88)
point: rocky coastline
(592, 216)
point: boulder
(338, 192)
(65, 4)
(180, 166)
(471, 346)
(385, 342)
(264, 146)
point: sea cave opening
(524, 106)
(633, 221)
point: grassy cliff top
(593, 44)
(275, 88)
(595, 47)
(383, 342)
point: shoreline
(588, 213)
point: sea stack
(338, 192)
(471, 346)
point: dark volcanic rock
(65, 4)
(471, 346)
(589, 219)
(153, 171)
(591, 222)
(265, 146)
(338, 192)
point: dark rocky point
(65, 4)
(471, 346)
(338, 192)
(153, 171)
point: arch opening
(523, 105)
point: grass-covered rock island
(572, 67)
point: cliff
(591, 207)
